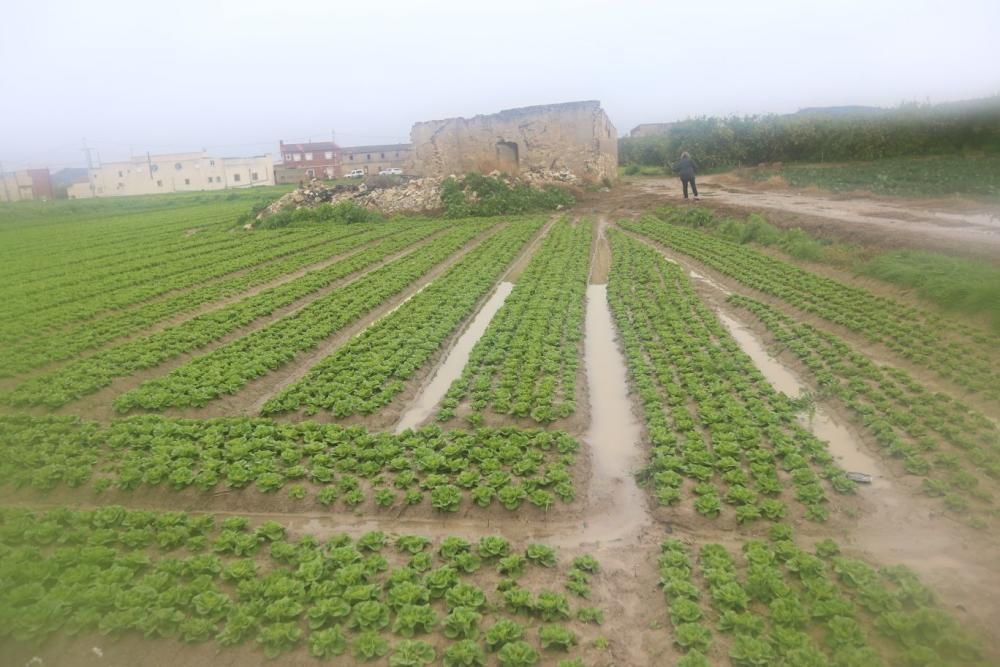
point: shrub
(476, 195)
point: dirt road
(956, 226)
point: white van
(355, 173)
(391, 171)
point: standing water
(845, 447)
(433, 393)
(616, 506)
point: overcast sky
(235, 76)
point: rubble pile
(413, 195)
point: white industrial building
(174, 172)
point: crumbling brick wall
(576, 135)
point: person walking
(685, 168)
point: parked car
(391, 171)
(355, 173)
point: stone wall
(577, 136)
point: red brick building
(325, 160)
(319, 159)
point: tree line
(823, 136)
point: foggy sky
(235, 76)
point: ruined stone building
(576, 135)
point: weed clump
(476, 195)
(344, 212)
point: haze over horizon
(235, 77)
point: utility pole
(3, 177)
(90, 168)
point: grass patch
(954, 283)
(931, 176)
(476, 195)
(641, 170)
(345, 212)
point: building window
(288, 157)
(156, 167)
(120, 174)
(298, 157)
(349, 157)
(382, 155)
(310, 173)
(309, 156)
(211, 163)
(253, 175)
(236, 178)
(397, 153)
(159, 184)
(368, 157)
(178, 166)
(187, 181)
(328, 155)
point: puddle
(982, 219)
(844, 447)
(849, 452)
(708, 281)
(776, 372)
(447, 372)
(616, 506)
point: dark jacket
(685, 168)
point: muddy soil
(889, 521)
(612, 518)
(422, 409)
(955, 226)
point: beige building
(576, 135)
(373, 159)
(25, 185)
(174, 172)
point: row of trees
(819, 136)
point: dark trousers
(694, 188)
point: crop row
(800, 609)
(267, 263)
(90, 374)
(229, 368)
(712, 417)
(507, 465)
(44, 293)
(137, 289)
(929, 433)
(366, 373)
(78, 242)
(952, 350)
(83, 297)
(526, 362)
(194, 579)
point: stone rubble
(413, 195)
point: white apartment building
(174, 172)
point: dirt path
(951, 226)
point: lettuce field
(570, 439)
